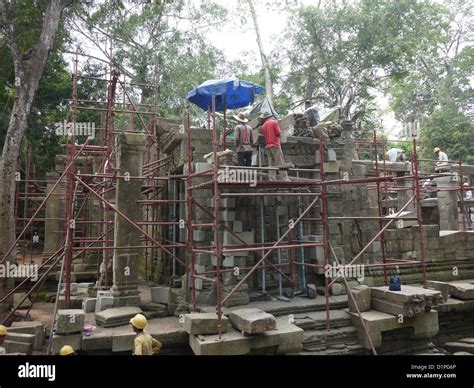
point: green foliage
(341, 52)
(450, 130)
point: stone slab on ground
(459, 346)
(252, 320)
(205, 323)
(362, 296)
(104, 301)
(463, 291)
(31, 327)
(18, 347)
(58, 341)
(117, 316)
(70, 321)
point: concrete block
(58, 341)
(362, 297)
(443, 287)
(463, 291)
(199, 235)
(232, 343)
(18, 347)
(30, 327)
(17, 297)
(227, 215)
(200, 167)
(237, 226)
(123, 342)
(118, 316)
(312, 291)
(21, 337)
(252, 321)
(104, 301)
(332, 167)
(70, 321)
(204, 323)
(337, 289)
(89, 305)
(425, 326)
(97, 341)
(164, 295)
(331, 155)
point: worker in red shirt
(271, 131)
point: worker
(3, 334)
(144, 344)
(35, 242)
(442, 157)
(395, 155)
(272, 133)
(244, 144)
(66, 350)
(468, 193)
(311, 113)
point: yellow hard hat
(3, 330)
(466, 184)
(139, 321)
(436, 150)
(66, 350)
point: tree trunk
(266, 68)
(27, 74)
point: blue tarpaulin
(239, 93)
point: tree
(340, 53)
(441, 75)
(160, 43)
(450, 130)
(30, 47)
(263, 57)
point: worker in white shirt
(442, 157)
(468, 193)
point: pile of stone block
(252, 332)
(34, 328)
(409, 302)
(68, 330)
(118, 316)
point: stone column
(55, 210)
(447, 204)
(126, 262)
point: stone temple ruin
(158, 219)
